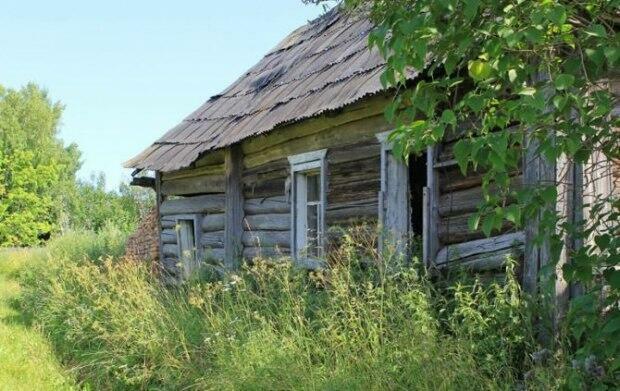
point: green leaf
(513, 214)
(475, 102)
(488, 224)
(557, 14)
(479, 70)
(596, 30)
(448, 117)
(549, 194)
(462, 151)
(564, 81)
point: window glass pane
(313, 186)
(312, 231)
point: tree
(36, 168)
(523, 73)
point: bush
(270, 326)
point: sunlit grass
(26, 358)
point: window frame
(302, 164)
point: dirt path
(26, 359)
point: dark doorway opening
(417, 182)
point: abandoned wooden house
(297, 145)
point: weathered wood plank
(487, 261)
(209, 203)
(455, 229)
(194, 185)
(168, 222)
(216, 254)
(216, 169)
(267, 239)
(431, 237)
(269, 205)
(265, 252)
(210, 158)
(455, 252)
(213, 239)
(213, 222)
(358, 111)
(169, 236)
(268, 222)
(355, 211)
(233, 226)
(170, 250)
(349, 133)
(467, 200)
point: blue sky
(127, 71)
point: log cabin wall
(196, 192)
(456, 199)
(353, 175)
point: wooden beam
(431, 241)
(233, 225)
(159, 198)
(143, 181)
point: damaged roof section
(322, 66)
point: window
(308, 205)
(186, 241)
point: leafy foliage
(521, 74)
(35, 167)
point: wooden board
(481, 246)
(213, 222)
(268, 222)
(267, 239)
(268, 205)
(213, 239)
(210, 203)
(202, 184)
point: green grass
(26, 358)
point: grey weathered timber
(233, 226)
(168, 222)
(169, 236)
(159, 198)
(213, 239)
(273, 222)
(216, 254)
(193, 185)
(490, 261)
(213, 222)
(458, 251)
(170, 251)
(265, 252)
(531, 177)
(267, 239)
(467, 200)
(432, 235)
(455, 229)
(565, 176)
(215, 169)
(209, 203)
(269, 205)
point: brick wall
(143, 245)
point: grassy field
(26, 358)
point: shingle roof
(319, 67)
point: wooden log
(213, 239)
(268, 222)
(265, 252)
(170, 250)
(168, 222)
(451, 179)
(209, 203)
(169, 236)
(455, 229)
(265, 188)
(487, 261)
(267, 239)
(347, 134)
(352, 152)
(216, 169)
(216, 254)
(269, 205)
(481, 246)
(194, 185)
(233, 224)
(210, 158)
(347, 213)
(467, 200)
(366, 108)
(213, 222)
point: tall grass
(364, 324)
